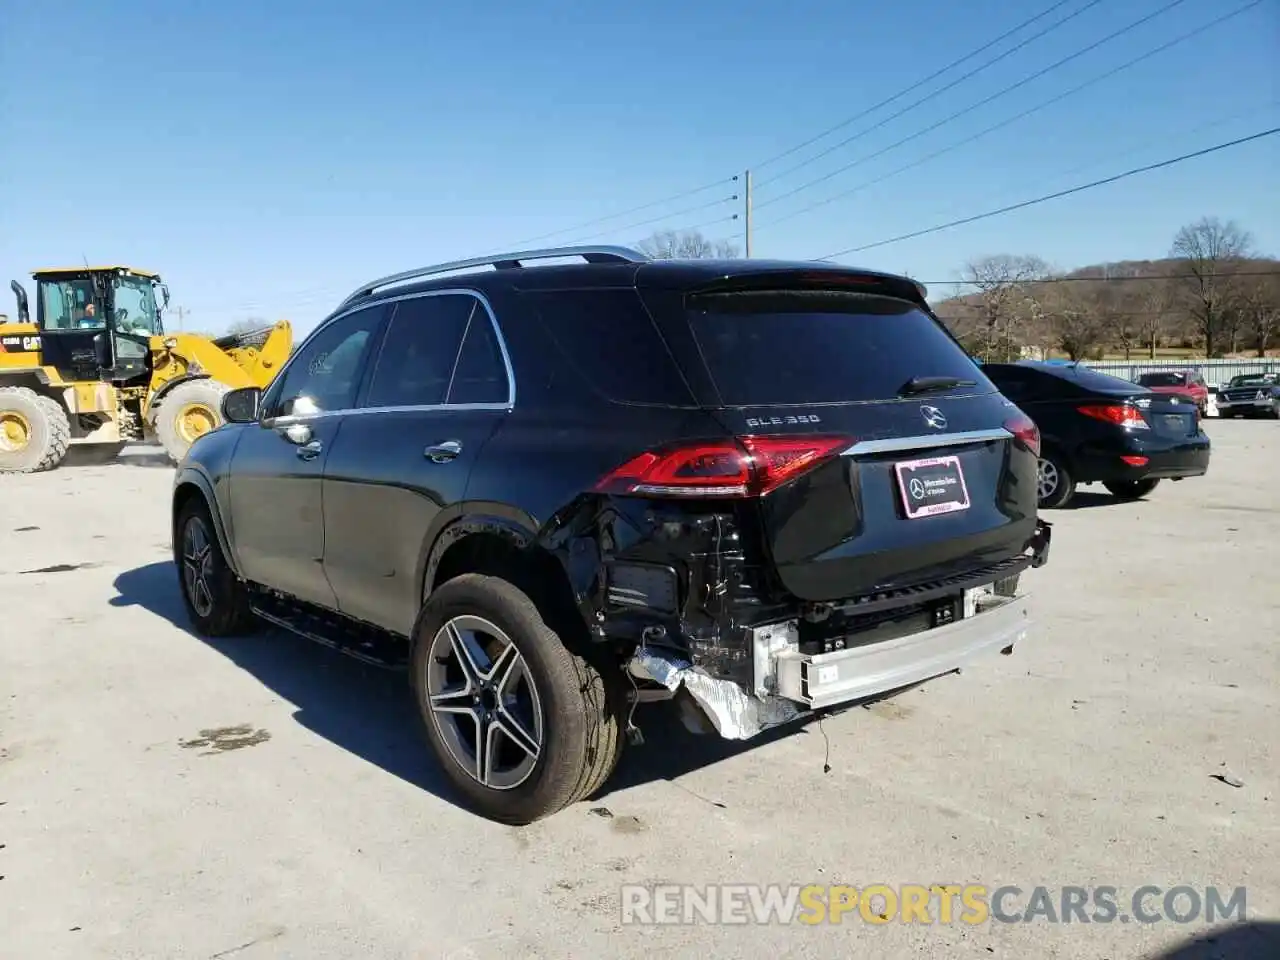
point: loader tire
(188, 412)
(34, 431)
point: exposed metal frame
(503, 261)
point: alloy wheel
(197, 566)
(1047, 479)
(484, 702)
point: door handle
(298, 433)
(309, 451)
(443, 452)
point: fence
(1215, 372)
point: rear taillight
(1120, 414)
(741, 467)
(1026, 431)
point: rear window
(1104, 383)
(1162, 379)
(801, 347)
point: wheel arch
(191, 483)
(503, 546)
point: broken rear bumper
(826, 679)
(789, 683)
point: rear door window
(480, 375)
(821, 346)
(420, 350)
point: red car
(1185, 383)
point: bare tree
(1072, 316)
(247, 325)
(1260, 310)
(1151, 302)
(687, 245)
(1209, 252)
(1005, 301)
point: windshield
(135, 307)
(802, 347)
(1253, 380)
(68, 305)
(1162, 379)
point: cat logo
(20, 344)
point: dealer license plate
(933, 486)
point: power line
(925, 99)
(920, 83)
(666, 216)
(1004, 123)
(627, 213)
(969, 109)
(1054, 196)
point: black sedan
(1100, 429)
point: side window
(420, 351)
(325, 374)
(481, 374)
(610, 339)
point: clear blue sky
(266, 156)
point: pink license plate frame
(916, 505)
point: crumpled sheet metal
(736, 714)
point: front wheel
(34, 431)
(1131, 489)
(522, 726)
(1054, 484)
(216, 600)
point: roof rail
(505, 261)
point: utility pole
(748, 214)
(182, 314)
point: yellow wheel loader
(96, 368)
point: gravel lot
(128, 828)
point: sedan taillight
(1119, 414)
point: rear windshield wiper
(918, 385)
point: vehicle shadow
(370, 712)
(1253, 940)
(106, 455)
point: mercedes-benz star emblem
(916, 488)
(933, 417)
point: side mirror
(164, 293)
(241, 406)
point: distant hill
(1014, 306)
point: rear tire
(557, 721)
(1054, 484)
(216, 600)
(34, 431)
(1131, 489)
(188, 412)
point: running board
(346, 637)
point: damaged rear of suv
(758, 488)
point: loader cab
(96, 323)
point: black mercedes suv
(557, 491)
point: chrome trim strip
(923, 441)
(592, 254)
(493, 321)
